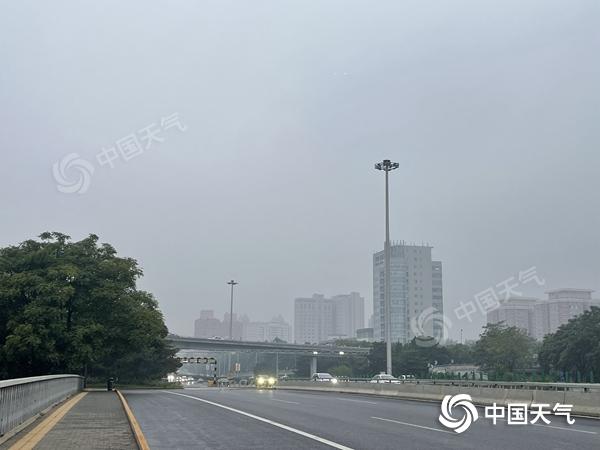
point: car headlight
(334, 380)
(260, 380)
(272, 380)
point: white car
(325, 377)
(384, 378)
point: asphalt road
(229, 418)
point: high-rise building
(561, 305)
(541, 317)
(313, 319)
(318, 319)
(515, 312)
(415, 285)
(207, 326)
(277, 328)
(349, 314)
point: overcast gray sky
(491, 108)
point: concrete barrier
(549, 397)
(584, 403)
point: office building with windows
(416, 286)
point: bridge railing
(23, 398)
(583, 397)
(525, 385)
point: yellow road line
(140, 439)
(32, 438)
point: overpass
(191, 343)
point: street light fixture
(232, 283)
(387, 166)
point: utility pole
(387, 166)
(232, 283)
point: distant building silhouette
(416, 286)
(541, 317)
(277, 328)
(319, 319)
(208, 326)
(516, 312)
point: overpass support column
(313, 365)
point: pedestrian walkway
(91, 420)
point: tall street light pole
(232, 283)
(387, 166)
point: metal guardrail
(527, 385)
(584, 397)
(23, 398)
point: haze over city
(491, 112)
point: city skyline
(272, 182)
(538, 317)
(507, 310)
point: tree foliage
(74, 307)
(504, 349)
(575, 346)
(413, 359)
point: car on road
(223, 381)
(384, 378)
(324, 377)
(265, 382)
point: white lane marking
(557, 428)
(413, 425)
(563, 428)
(353, 400)
(284, 401)
(270, 422)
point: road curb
(138, 435)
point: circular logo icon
(459, 401)
(70, 165)
(440, 326)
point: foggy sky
(491, 108)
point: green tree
(74, 307)
(376, 358)
(574, 347)
(342, 370)
(461, 353)
(504, 349)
